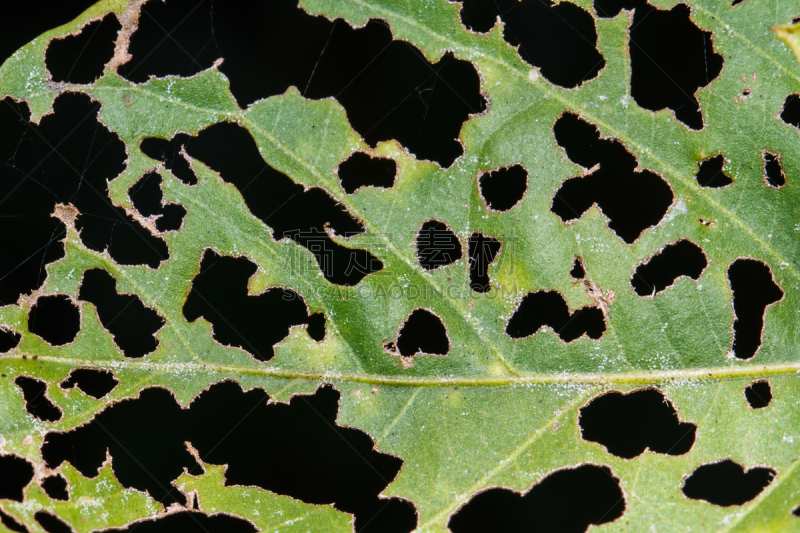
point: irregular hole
(24, 21)
(736, 2)
(37, 403)
(219, 294)
(288, 208)
(671, 58)
(791, 110)
(758, 394)
(480, 16)
(16, 473)
(773, 170)
(577, 272)
(171, 154)
(710, 173)
(681, 258)
(422, 333)
(437, 245)
(51, 523)
(192, 522)
(629, 424)
(503, 188)
(82, 58)
(754, 289)
(11, 523)
(482, 252)
(147, 196)
(795, 511)
(8, 340)
(132, 324)
(568, 500)
(173, 38)
(548, 308)
(68, 158)
(55, 487)
(632, 200)
(95, 383)
(387, 87)
(316, 326)
(726, 483)
(55, 319)
(299, 450)
(362, 170)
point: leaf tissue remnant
(628, 424)
(681, 258)
(81, 58)
(302, 215)
(727, 483)
(633, 200)
(566, 501)
(538, 27)
(670, 57)
(548, 308)
(754, 290)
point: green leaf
(495, 411)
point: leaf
(495, 411)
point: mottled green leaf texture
(567, 297)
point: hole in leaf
(51, 523)
(16, 473)
(566, 501)
(174, 37)
(758, 394)
(482, 252)
(754, 289)
(95, 383)
(796, 511)
(773, 170)
(316, 326)
(791, 110)
(362, 170)
(170, 153)
(146, 196)
(548, 308)
(288, 208)
(387, 87)
(36, 402)
(131, 323)
(538, 27)
(55, 487)
(671, 58)
(24, 21)
(37, 177)
(11, 523)
(736, 2)
(682, 258)
(423, 333)
(252, 322)
(8, 340)
(630, 424)
(726, 483)
(503, 188)
(632, 200)
(82, 58)
(577, 272)
(295, 450)
(191, 522)
(55, 319)
(437, 246)
(711, 174)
